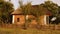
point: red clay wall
(41, 20)
(21, 19)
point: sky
(34, 2)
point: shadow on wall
(54, 20)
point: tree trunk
(25, 24)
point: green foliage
(5, 11)
(52, 7)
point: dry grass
(15, 29)
(27, 31)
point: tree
(38, 11)
(6, 9)
(52, 7)
(26, 11)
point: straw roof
(17, 11)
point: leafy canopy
(5, 11)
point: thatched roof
(45, 10)
(17, 11)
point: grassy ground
(28, 31)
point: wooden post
(13, 19)
(45, 20)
